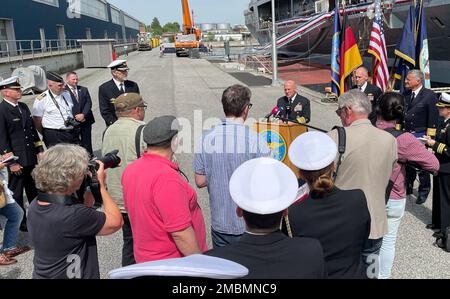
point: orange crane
(191, 36)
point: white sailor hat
(312, 151)
(196, 265)
(119, 64)
(263, 186)
(12, 82)
(444, 100)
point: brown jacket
(367, 164)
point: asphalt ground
(181, 86)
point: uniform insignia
(41, 96)
(298, 108)
(16, 119)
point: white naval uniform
(45, 108)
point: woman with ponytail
(339, 219)
(391, 111)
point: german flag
(350, 58)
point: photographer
(53, 116)
(63, 232)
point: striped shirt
(221, 151)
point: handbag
(2, 196)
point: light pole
(274, 49)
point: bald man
(361, 80)
(295, 107)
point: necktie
(75, 93)
(21, 115)
(413, 95)
(121, 88)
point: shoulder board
(41, 96)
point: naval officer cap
(263, 186)
(444, 100)
(195, 265)
(120, 65)
(312, 151)
(52, 76)
(12, 83)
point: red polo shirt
(159, 202)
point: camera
(70, 121)
(110, 160)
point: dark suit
(275, 256)
(19, 136)
(376, 92)
(340, 220)
(441, 182)
(83, 105)
(108, 91)
(299, 108)
(420, 119)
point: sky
(205, 11)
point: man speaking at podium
(293, 106)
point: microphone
(278, 112)
(273, 112)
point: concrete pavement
(179, 86)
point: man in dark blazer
(81, 109)
(421, 119)
(294, 106)
(263, 249)
(19, 138)
(114, 88)
(361, 78)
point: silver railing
(21, 49)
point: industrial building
(35, 22)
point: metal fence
(13, 49)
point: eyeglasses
(250, 105)
(339, 110)
(143, 106)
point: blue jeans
(222, 239)
(14, 214)
(395, 210)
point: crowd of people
(344, 227)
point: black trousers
(17, 183)
(53, 137)
(441, 201)
(86, 138)
(127, 249)
(424, 180)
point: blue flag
(422, 53)
(335, 46)
(406, 49)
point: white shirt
(416, 92)
(74, 90)
(11, 103)
(118, 83)
(51, 117)
(363, 87)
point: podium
(279, 137)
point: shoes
(430, 226)
(16, 251)
(23, 227)
(438, 235)
(421, 199)
(5, 261)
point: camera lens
(111, 160)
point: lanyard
(57, 105)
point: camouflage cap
(127, 101)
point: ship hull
(317, 42)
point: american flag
(377, 48)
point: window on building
(115, 16)
(93, 8)
(131, 23)
(49, 2)
(88, 33)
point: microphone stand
(302, 124)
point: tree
(171, 27)
(210, 37)
(155, 27)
